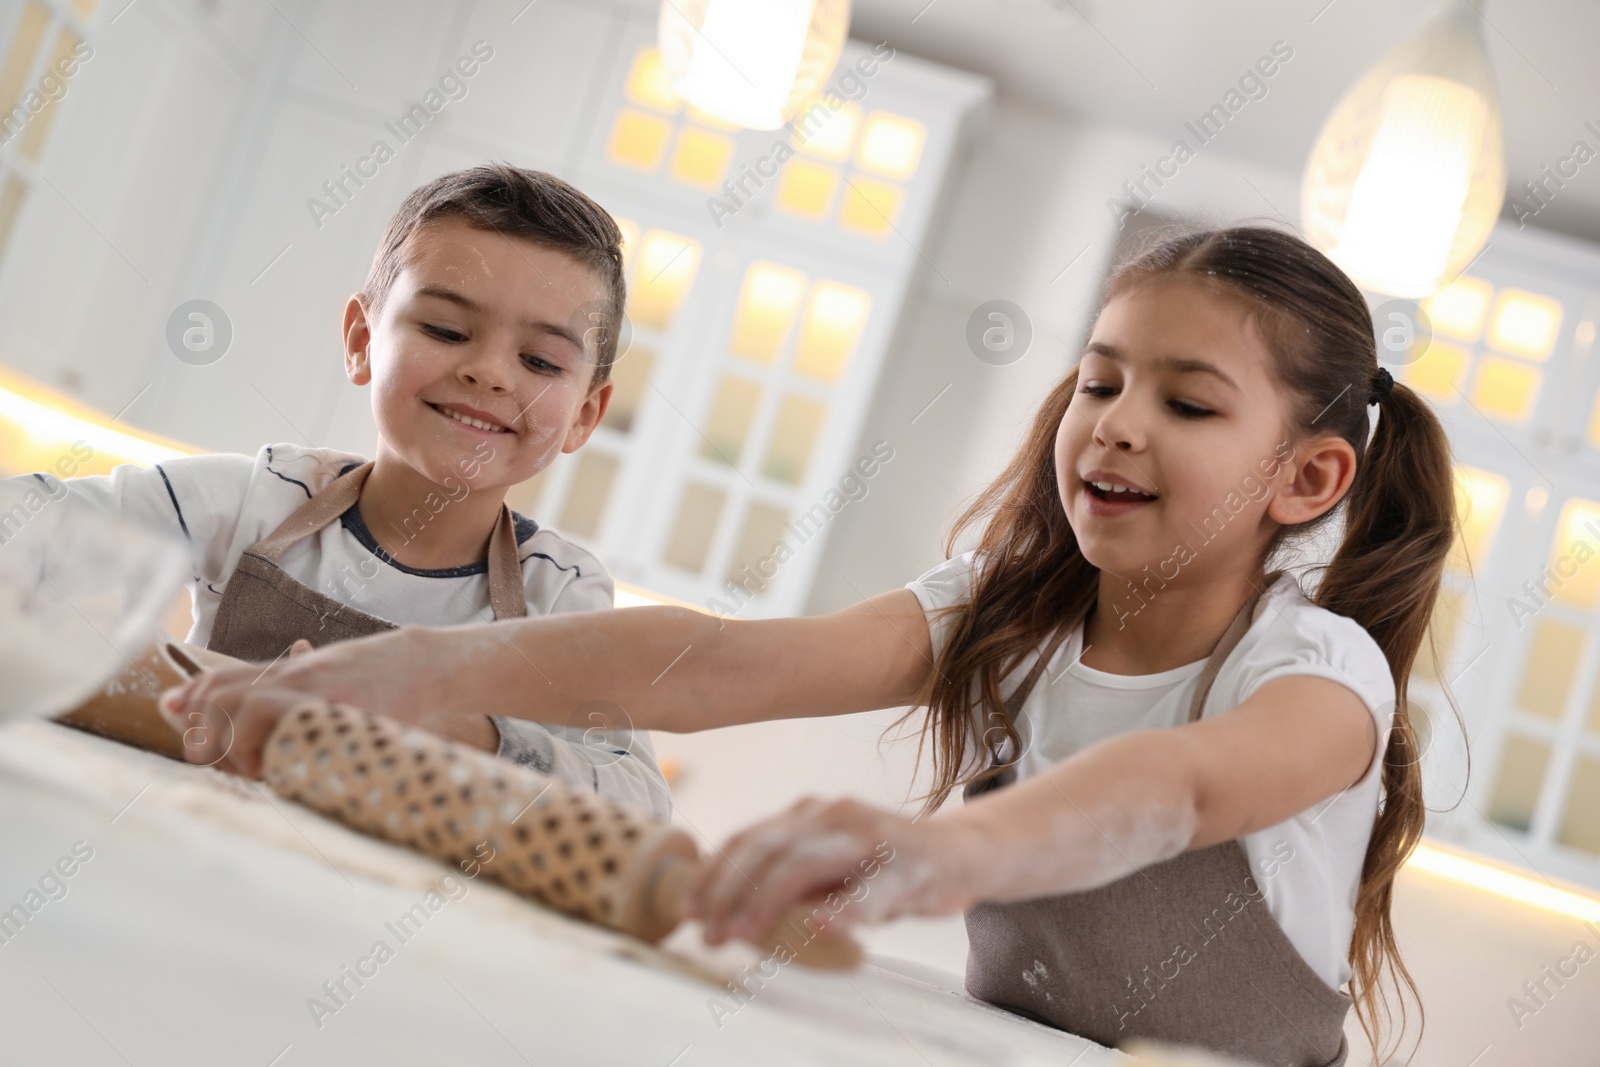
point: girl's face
(1174, 400)
(477, 360)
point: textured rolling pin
(575, 851)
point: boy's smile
(477, 357)
(481, 421)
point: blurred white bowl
(82, 593)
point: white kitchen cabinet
(1511, 370)
(760, 316)
(761, 310)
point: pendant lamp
(1407, 176)
(753, 63)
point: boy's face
(483, 327)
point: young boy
(486, 328)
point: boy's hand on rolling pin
(228, 728)
(228, 735)
(856, 863)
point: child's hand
(857, 863)
(406, 674)
(228, 727)
(398, 674)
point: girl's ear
(1319, 476)
(357, 337)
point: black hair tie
(1381, 385)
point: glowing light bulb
(1407, 175)
(751, 64)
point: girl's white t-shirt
(1308, 866)
(223, 503)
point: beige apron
(1185, 950)
(264, 610)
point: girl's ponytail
(1400, 523)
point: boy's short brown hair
(515, 202)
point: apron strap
(1230, 638)
(506, 594)
(332, 501)
(1020, 693)
(1014, 709)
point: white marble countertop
(211, 912)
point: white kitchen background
(825, 319)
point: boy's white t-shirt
(1308, 866)
(224, 503)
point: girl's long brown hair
(1399, 515)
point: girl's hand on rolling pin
(857, 862)
(397, 674)
(226, 714)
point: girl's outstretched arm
(651, 668)
(1117, 806)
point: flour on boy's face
(1207, 448)
(478, 373)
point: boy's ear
(1319, 476)
(357, 338)
(588, 416)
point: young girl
(1190, 785)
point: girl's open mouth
(1118, 495)
(1113, 501)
